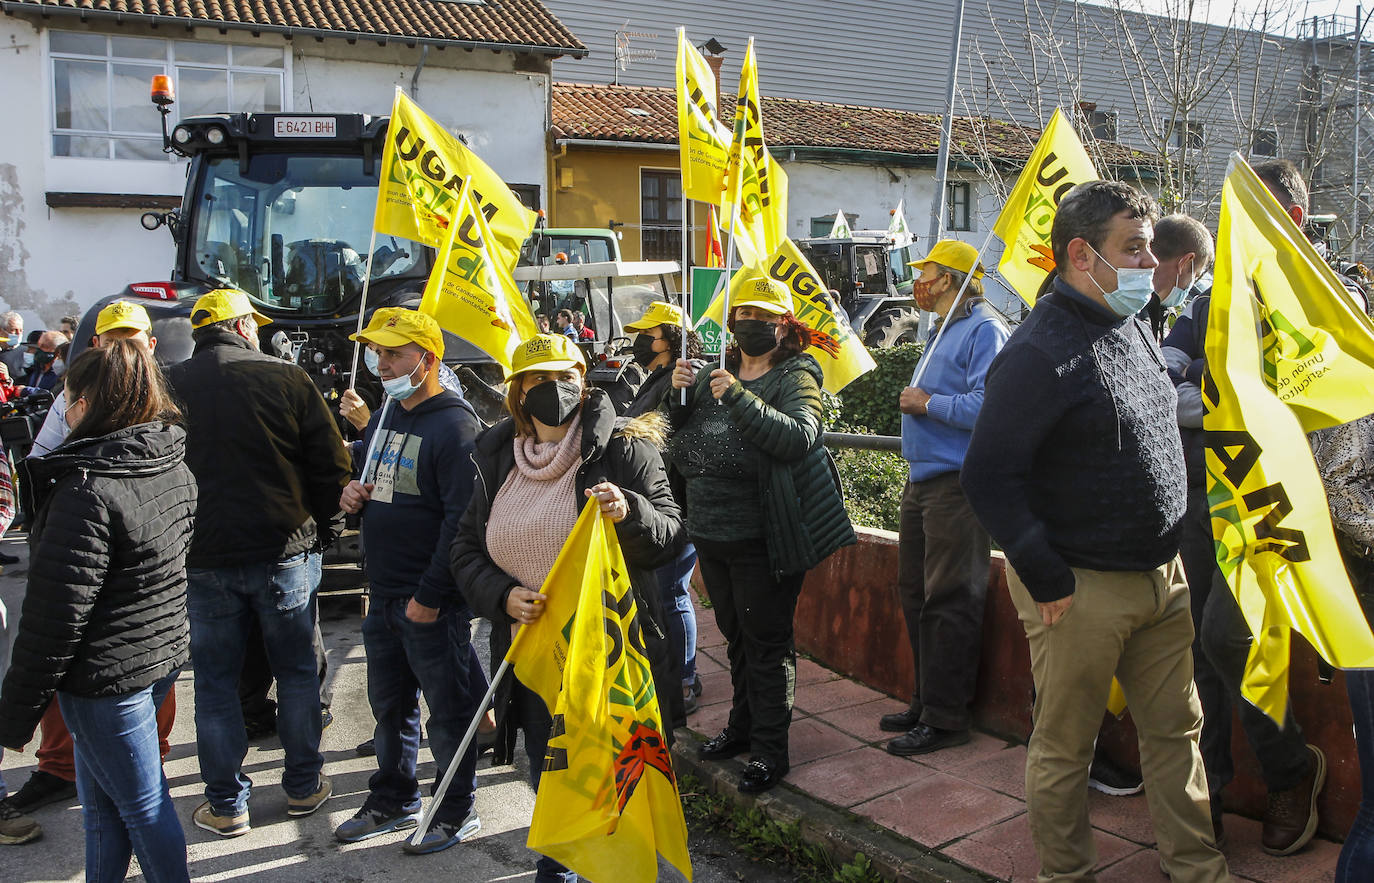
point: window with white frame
(1264, 142)
(1195, 137)
(100, 89)
(958, 201)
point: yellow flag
(607, 805)
(703, 141)
(423, 167)
(1318, 346)
(756, 185)
(472, 293)
(1057, 164)
(1270, 519)
(837, 348)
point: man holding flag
(1076, 470)
(412, 489)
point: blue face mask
(1134, 286)
(401, 388)
(13, 340)
(28, 360)
(370, 360)
(1177, 294)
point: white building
(82, 155)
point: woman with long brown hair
(762, 508)
(104, 624)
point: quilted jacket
(105, 609)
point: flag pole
(724, 281)
(453, 765)
(376, 433)
(968, 277)
(362, 307)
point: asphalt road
(280, 848)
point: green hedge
(873, 480)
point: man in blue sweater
(1076, 470)
(412, 490)
(943, 570)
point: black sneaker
(1111, 779)
(442, 835)
(40, 790)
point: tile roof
(516, 24)
(584, 111)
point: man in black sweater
(1076, 470)
(269, 464)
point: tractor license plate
(306, 127)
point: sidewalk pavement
(966, 804)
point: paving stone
(855, 776)
(1126, 817)
(809, 672)
(940, 808)
(810, 739)
(1007, 852)
(861, 721)
(818, 698)
(1004, 771)
(715, 688)
(710, 719)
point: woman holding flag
(659, 343)
(561, 445)
(763, 507)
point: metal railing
(860, 442)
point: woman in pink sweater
(561, 444)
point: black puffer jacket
(650, 536)
(264, 448)
(105, 610)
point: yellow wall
(604, 186)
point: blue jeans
(537, 724)
(675, 587)
(280, 595)
(124, 798)
(1356, 863)
(405, 659)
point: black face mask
(755, 336)
(553, 402)
(644, 350)
(41, 358)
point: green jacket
(803, 511)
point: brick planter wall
(850, 619)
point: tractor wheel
(893, 326)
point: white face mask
(1177, 294)
(402, 388)
(1134, 287)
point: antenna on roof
(624, 54)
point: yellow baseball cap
(659, 313)
(763, 292)
(398, 326)
(222, 304)
(122, 314)
(546, 352)
(953, 254)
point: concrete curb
(839, 832)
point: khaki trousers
(1137, 626)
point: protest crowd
(177, 518)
